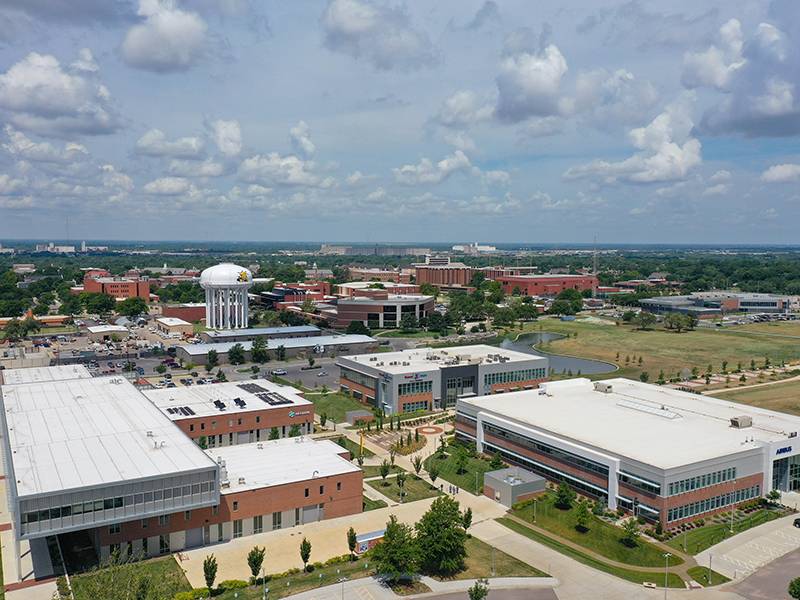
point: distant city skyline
(400, 122)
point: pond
(559, 364)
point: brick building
(546, 285)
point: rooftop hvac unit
(793, 434)
(149, 434)
(601, 386)
(241, 480)
(742, 422)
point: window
(338, 486)
(321, 489)
(144, 523)
(237, 528)
(258, 524)
(191, 427)
(144, 546)
(163, 544)
(702, 481)
(258, 419)
(709, 504)
(413, 406)
(187, 515)
(215, 510)
(114, 529)
(358, 378)
(277, 519)
(219, 531)
(490, 379)
(415, 387)
(238, 421)
(202, 426)
(235, 505)
(163, 520)
(297, 516)
(306, 493)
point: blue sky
(375, 121)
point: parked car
(278, 372)
(322, 374)
(796, 522)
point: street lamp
(666, 572)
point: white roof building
(44, 374)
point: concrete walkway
(742, 554)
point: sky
(380, 121)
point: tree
(274, 433)
(645, 320)
(305, 553)
(561, 307)
(416, 462)
(210, 571)
(674, 321)
(323, 418)
(294, 430)
(396, 556)
(212, 358)
(280, 352)
(691, 321)
(358, 328)
(161, 369)
(582, 517)
(565, 496)
(384, 470)
(774, 496)
(433, 472)
(497, 461)
(794, 588)
(254, 560)
(466, 519)
(630, 533)
(122, 578)
(401, 483)
(479, 589)
(574, 297)
(98, 303)
(221, 375)
(236, 354)
(132, 307)
(258, 351)
(441, 539)
(644, 376)
(408, 323)
(351, 542)
(460, 462)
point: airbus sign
(784, 450)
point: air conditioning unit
(601, 386)
(741, 422)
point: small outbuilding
(511, 485)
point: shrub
(232, 584)
(195, 594)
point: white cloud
(667, 152)
(784, 173)
(377, 194)
(193, 168)
(227, 136)
(609, 99)
(464, 109)
(715, 66)
(169, 39)
(496, 177)
(716, 190)
(529, 81)
(300, 136)
(282, 170)
(41, 96)
(721, 176)
(22, 147)
(357, 178)
(9, 186)
(85, 62)
(428, 172)
(155, 143)
(168, 186)
(380, 34)
(541, 127)
(583, 201)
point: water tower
(226, 288)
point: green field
(466, 480)
(697, 540)
(700, 575)
(480, 559)
(665, 350)
(375, 471)
(784, 397)
(396, 333)
(354, 448)
(415, 489)
(165, 571)
(369, 504)
(602, 537)
(673, 581)
(334, 404)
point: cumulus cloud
(167, 186)
(22, 147)
(613, 98)
(300, 136)
(667, 151)
(10, 186)
(193, 168)
(582, 200)
(541, 127)
(155, 143)
(464, 109)
(357, 178)
(426, 172)
(487, 14)
(169, 39)
(282, 170)
(227, 136)
(496, 177)
(759, 73)
(529, 79)
(720, 176)
(785, 173)
(719, 189)
(42, 96)
(379, 34)
(74, 11)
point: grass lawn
(375, 471)
(415, 489)
(602, 537)
(697, 540)
(700, 575)
(662, 349)
(480, 559)
(334, 404)
(396, 333)
(775, 328)
(369, 504)
(354, 448)
(300, 582)
(784, 397)
(465, 480)
(165, 570)
(673, 581)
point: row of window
(356, 377)
(239, 421)
(415, 387)
(514, 376)
(118, 502)
(640, 483)
(412, 406)
(556, 453)
(709, 504)
(702, 481)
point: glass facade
(415, 387)
(640, 483)
(514, 376)
(702, 481)
(359, 378)
(709, 504)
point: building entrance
(786, 474)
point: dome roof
(226, 274)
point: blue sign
(784, 450)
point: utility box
(512, 485)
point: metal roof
(256, 331)
(272, 344)
(42, 374)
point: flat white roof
(200, 398)
(278, 462)
(80, 433)
(107, 329)
(274, 343)
(655, 425)
(429, 359)
(172, 321)
(43, 374)
(256, 331)
(387, 285)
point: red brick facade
(550, 285)
(226, 423)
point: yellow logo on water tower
(242, 277)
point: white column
(227, 309)
(208, 307)
(246, 309)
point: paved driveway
(771, 581)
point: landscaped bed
(165, 571)
(700, 575)
(415, 489)
(334, 404)
(480, 560)
(470, 479)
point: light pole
(666, 573)
(709, 569)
